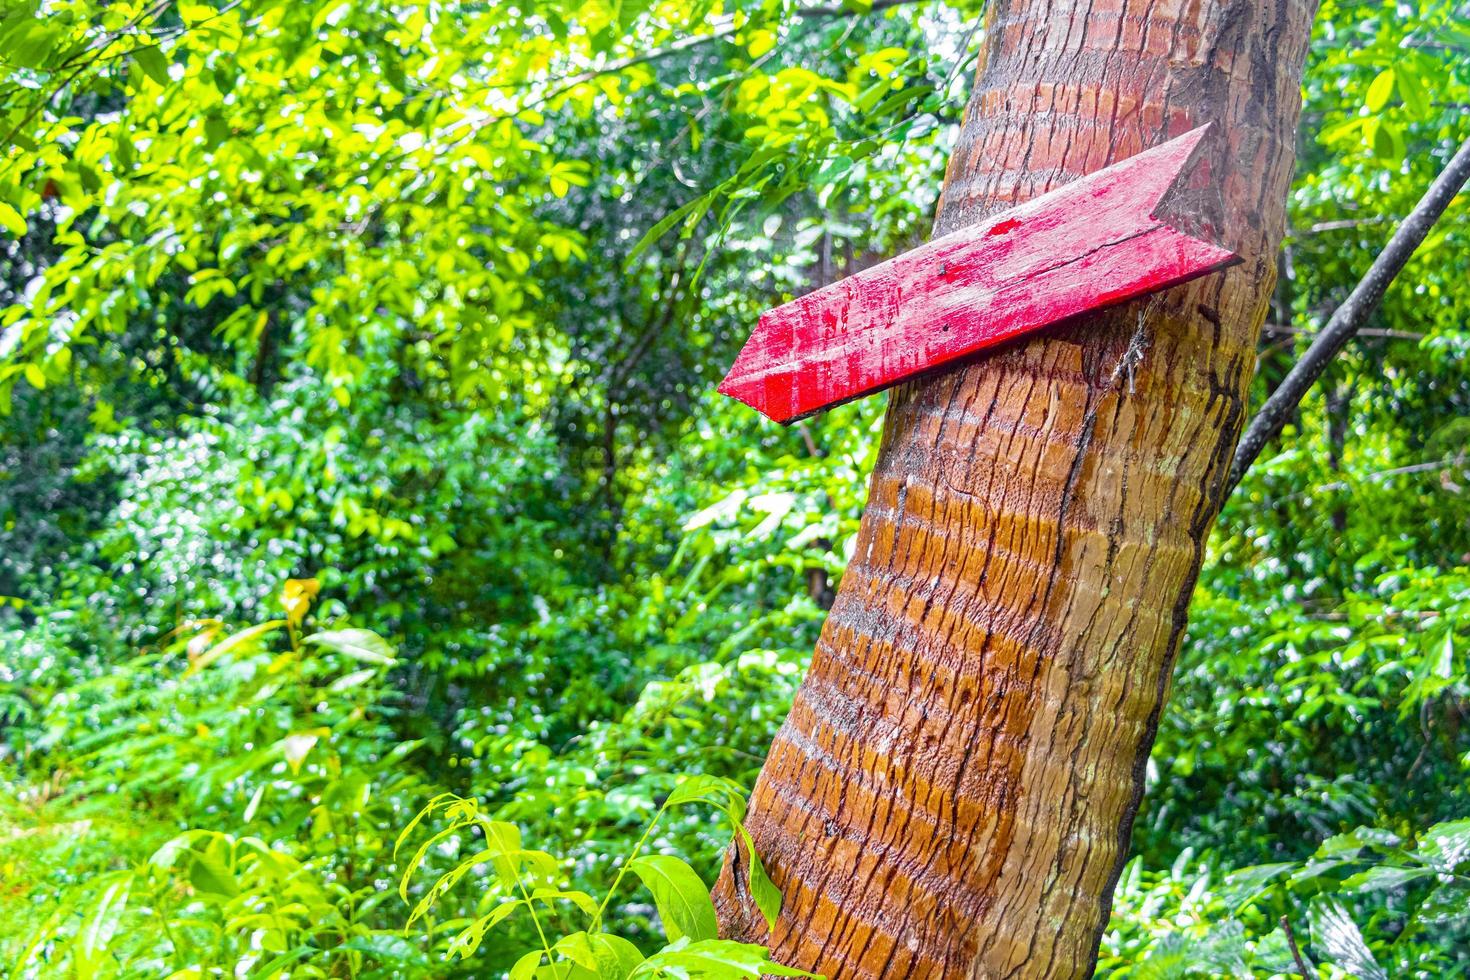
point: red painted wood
(1091, 244)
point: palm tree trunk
(953, 791)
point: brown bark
(953, 791)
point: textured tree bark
(953, 792)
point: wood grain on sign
(1093, 243)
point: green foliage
(530, 885)
(361, 461)
(273, 745)
(1413, 894)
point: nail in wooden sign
(1101, 240)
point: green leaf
(525, 967)
(216, 131)
(29, 41)
(1387, 140)
(359, 644)
(348, 681)
(706, 789)
(1444, 664)
(1380, 90)
(11, 220)
(1349, 844)
(833, 169)
(682, 899)
(419, 855)
(606, 957)
(1445, 904)
(122, 153)
(1335, 933)
(767, 896)
(580, 899)
(254, 804)
(235, 641)
(1446, 846)
(503, 841)
(104, 922)
(1246, 883)
(330, 15)
(386, 946)
(1217, 953)
(1383, 876)
(728, 797)
(714, 959)
(151, 60)
(209, 874)
(469, 939)
(166, 855)
(436, 803)
(1411, 90)
(899, 99)
(443, 884)
(668, 221)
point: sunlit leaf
(1335, 933)
(682, 899)
(11, 220)
(1380, 90)
(359, 644)
(240, 641)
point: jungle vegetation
(387, 593)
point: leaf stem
(648, 832)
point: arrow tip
(1191, 203)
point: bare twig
(1377, 477)
(1350, 316)
(724, 30)
(811, 444)
(1430, 467)
(1286, 330)
(77, 68)
(1343, 224)
(1296, 952)
(878, 5)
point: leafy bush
(278, 748)
(529, 885)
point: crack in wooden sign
(1106, 238)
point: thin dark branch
(40, 104)
(1281, 329)
(1296, 952)
(723, 32)
(1379, 476)
(1428, 467)
(1344, 223)
(109, 39)
(878, 5)
(566, 83)
(1351, 315)
(101, 57)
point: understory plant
(272, 742)
(565, 926)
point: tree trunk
(953, 791)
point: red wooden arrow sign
(1096, 242)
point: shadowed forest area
(388, 593)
